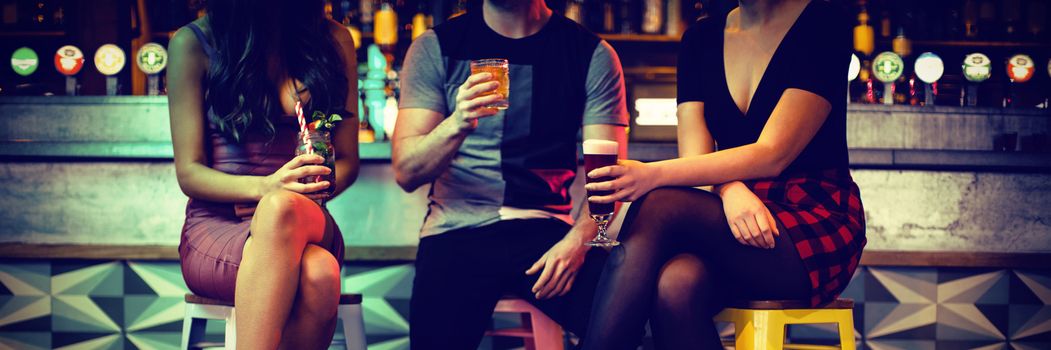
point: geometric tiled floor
(72, 304)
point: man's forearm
(419, 159)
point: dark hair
(259, 44)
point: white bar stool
(200, 309)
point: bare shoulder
(185, 41)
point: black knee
(685, 285)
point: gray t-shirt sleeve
(423, 75)
(606, 101)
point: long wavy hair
(260, 44)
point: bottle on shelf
(970, 19)
(1036, 22)
(609, 16)
(674, 25)
(905, 87)
(575, 11)
(1012, 16)
(987, 20)
(349, 21)
(386, 31)
(652, 16)
(367, 11)
(864, 35)
(421, 21)
(885, 29)
(626, 21)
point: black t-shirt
(813, 56)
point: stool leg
(192, 327)
(231, 331)
(353, 326)
(528, 343)
(547, 334)
(763, 330)
(846, 330)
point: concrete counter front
(82, 171)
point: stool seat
(789, 304)
(201, 309)
(344, 299)
(760, 324)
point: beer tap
(929, 68)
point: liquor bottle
(349, 19)
(626, 21)
(884, 24)
(905, 87)
(421, 21)
(674, 26)
(652, 16)
(987, 20)
(864, 36)
(386, 31)
(970, 19)
(1037, 20)
(609, 17)
(575, 11)
(1012, 19)
(367, 11)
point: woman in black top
(784, 220)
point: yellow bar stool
(760, 325)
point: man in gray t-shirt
(498, 219)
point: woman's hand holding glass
(749, 219)
(287, 177)
(631, 180)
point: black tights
(677, 265)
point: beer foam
(600, 147)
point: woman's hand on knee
(749, 219)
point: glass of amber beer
(598, 154)
(498, 68)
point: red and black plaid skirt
(822, 214)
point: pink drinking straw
(303, 128)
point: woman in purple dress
(253, 233)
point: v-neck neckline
(759, 86)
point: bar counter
(96, 171)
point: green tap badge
(152, 58)
(888, 67)
(977, 67)
(24, 61)
(109, 59)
